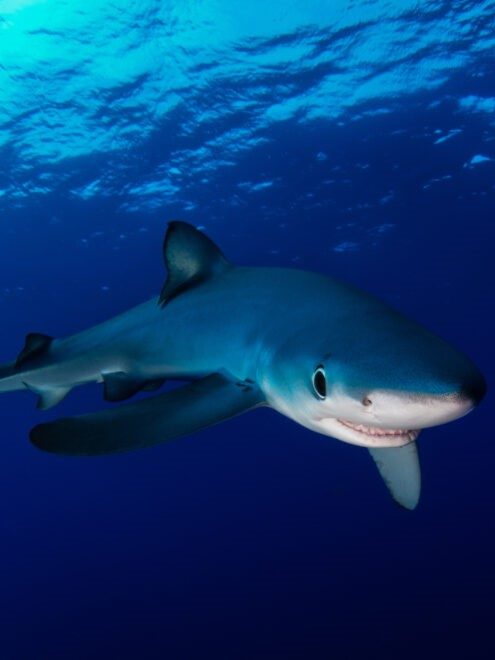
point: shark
(329, 356)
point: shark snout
(417, 410)
(416, 391)
(474, 388)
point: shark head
(371, 377)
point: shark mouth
(376, 431)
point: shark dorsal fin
(190, 257)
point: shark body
(333, 358)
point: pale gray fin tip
(48, 397)
(400, 470)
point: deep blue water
(356, 139)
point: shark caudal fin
(151, 421)
(400, 470)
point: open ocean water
(354, 138)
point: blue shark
(332, 358)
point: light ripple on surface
(210, 79)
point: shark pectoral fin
(190, 257)
(35, 345)
(48, 396)
(400, 469)
(148, 422)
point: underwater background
(354, 138)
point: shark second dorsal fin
(35, 345)
(190, 257)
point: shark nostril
(366, 401)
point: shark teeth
(377, 431)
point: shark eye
(320, 382)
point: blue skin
(365, 345)
(275, 327)
(328, 356)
